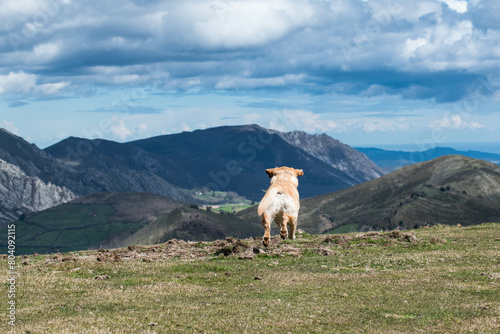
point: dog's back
(280, 198)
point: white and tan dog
(281, 202)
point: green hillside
(192, 224)
(448, 190)
(99, 220)
(435, 280)
(108, 220)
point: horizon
(418, 74)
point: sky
(373, 72)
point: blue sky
(365, 72)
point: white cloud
(51, 88)
(457, 5)
(202, 45)
(445, 46)
(455, 122)
(45, 52)
(121, 130)
(236, 24)
(246, 83)
(17, 82)
(25, 83)
(411, 45)
(307, 121)
(9, 126)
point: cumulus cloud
(120, 129)
(300, 120)
(24, 83)
(318, 47)
(460, 6)
(244, 23)
(455, 122)
(17, 82)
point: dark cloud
(417, 50)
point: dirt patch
(337, 239)
(404, 237)
(102, 277)
(231, 246)
(245, 249)
(435, 240)
(370, 239)
(492, 275)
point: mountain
(447, 190)
(229, 159)
(392, 160)
(333, 152)
(233, 158)
(30, 159)
(106, 166)
(22, 194)
(106, 220)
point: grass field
(434, 280)
(61, 228)
(232, 208)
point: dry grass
(438, 280)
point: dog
(281, 202)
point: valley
(204, 185)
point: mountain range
(224, 158)
(230, 159)
(448, 190)
(392, 160)
(81, 193)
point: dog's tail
(267, 200)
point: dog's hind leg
(284, 222)
(292, 224)
(266, 222)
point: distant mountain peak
(334, 153)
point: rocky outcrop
(331, 151)
(23, 194)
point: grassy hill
(122, 219)
(95, 221)
(435, 280)
(448, 190)
(192, 224)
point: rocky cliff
(23, 194)
(338, 155)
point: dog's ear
(299, 172)
(271, 172)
